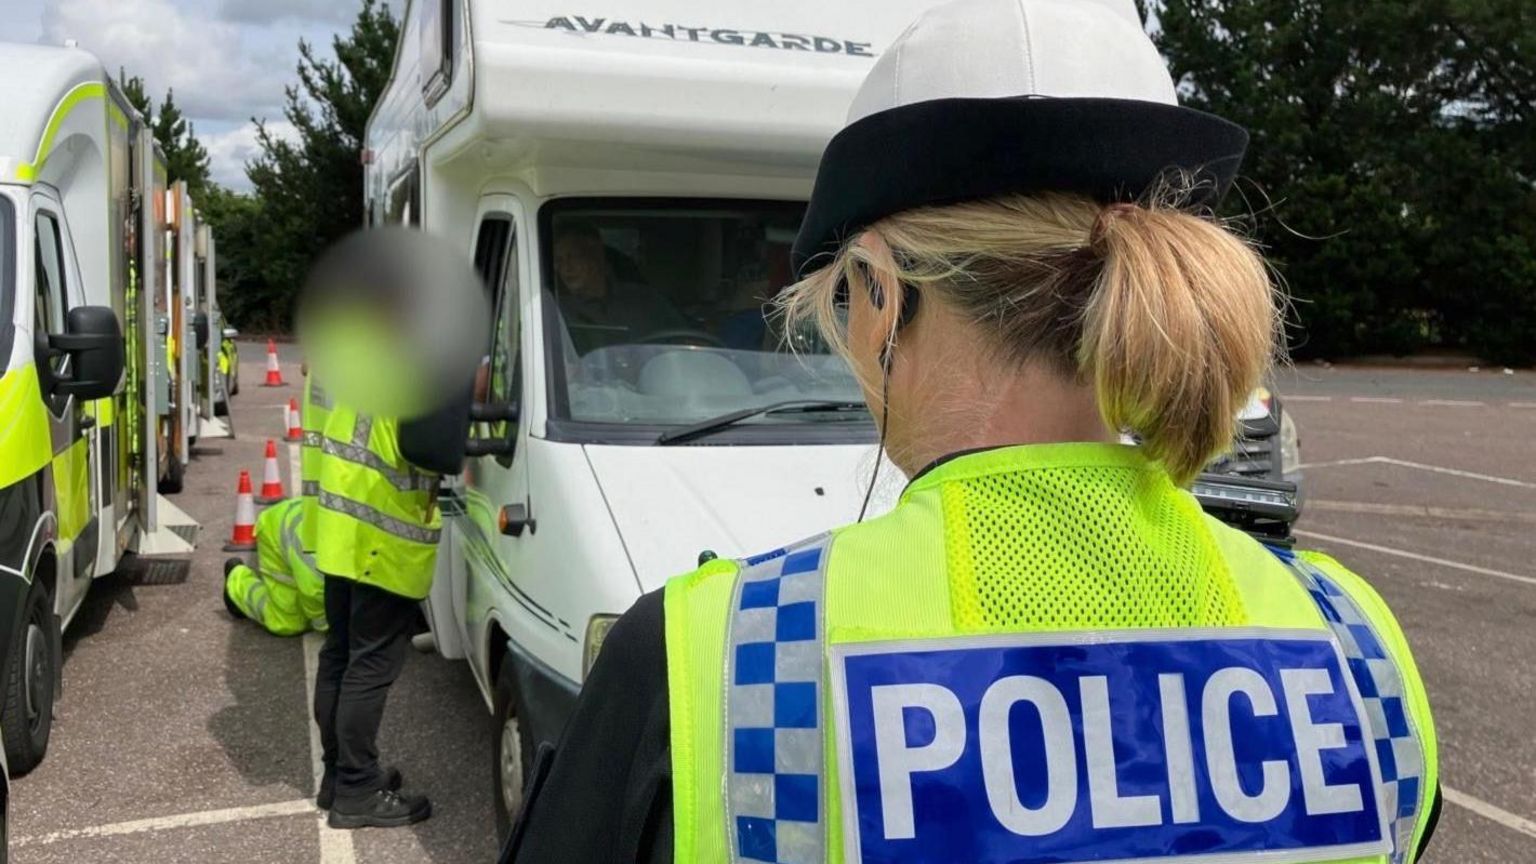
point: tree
(185, 157)
(1391, 164)
(310, 189)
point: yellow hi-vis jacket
(1043, 653)
(312, 414)
(284, 593)
(378, 521)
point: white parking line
(1376, 400)
(1420, 466)
(1488, 811)
(1423, 511)
(1456, 472)
(1453, 403)
(1296, 397)
(1522, 404)
(1414, 556)
(1364, 460)
(184, 820)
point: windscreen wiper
(725, 421)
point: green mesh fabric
(1094, 547)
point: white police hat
(980, 98)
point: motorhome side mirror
(493, 412)
(435, 441)
(94, 342)
(200, 330)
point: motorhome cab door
(499, 531)
(56, 289)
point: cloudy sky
(228, 60)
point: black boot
(327, 795)
(229, 567)
(385, 808)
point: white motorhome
(628, 179)
(87, 415)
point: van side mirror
(94, 342)
(435, 441)
(200, 330)
(492, 412)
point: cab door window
(49, 288)
(496, 260)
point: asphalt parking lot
(184, 736)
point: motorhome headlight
(1290, 444)
(597, 631)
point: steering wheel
(708, 339)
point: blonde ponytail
(1171, 317)
(1180, 327)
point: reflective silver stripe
(309, 488)
(291, 540)
(318, 397)
(389, 524)
(775, 795)
(280, 577)
(256, 601)
(311, 439)
(362, 429)
(405, 481)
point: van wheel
(27, 717)
(512, 751)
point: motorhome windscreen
(8, 277)
(661, 316)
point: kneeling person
(284, 593)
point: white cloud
(229, 150)
(219, 70)
(257, 11)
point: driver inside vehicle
(600, 308)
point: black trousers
(363, 654)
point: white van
(628, 179)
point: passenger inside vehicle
(601, 308)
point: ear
(885, 290)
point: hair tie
(1101, 224)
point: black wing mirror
(94, 342)
(492, 412)
(200, 330)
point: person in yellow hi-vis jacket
(1046, 651)
(283, 593)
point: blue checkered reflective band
(1399, 749)
(1203, 745)
(773, 742)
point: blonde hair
(1173, 318)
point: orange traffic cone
(243, 539)
(271, 481)
(274, 374)
(292, 421)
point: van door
(56, 288)
(499, 525)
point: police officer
(1046, 651)
(377, 528)
(284, 593)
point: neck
(983, 408)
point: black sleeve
(608, 793)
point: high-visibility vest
(377, 520)
(312, 413)
(284, 593)
(1044, 652)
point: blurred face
(581, 265)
